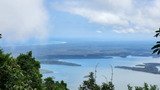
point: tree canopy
(23, 73)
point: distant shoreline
(56, 62)
(90, 56)
(45, 71)
(145, 67)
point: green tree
(90, 84)
(23, 73)
(11, 75)
(107, 86)
(145, 87)
(129, 87)
(156, 47)
(30, 69)
(50, 84)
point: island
(145, 67)
(56, 62)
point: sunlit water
(74, 76)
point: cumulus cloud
(132, 16)
(98, 16)
(21, 20)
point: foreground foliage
(145, 87)
(90, 84)
(52, 85)
(156, 47)
(23, 73)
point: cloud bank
(22, 20)
(124, 16)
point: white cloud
(22, 20)
(99, 31)
(130, 30)
(126, 14)
(98, 16)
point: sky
(44, 21)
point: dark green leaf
(156, 46)
(156, 35)
(154, 51)
(158, 42)
(157, 31)
(158, 52)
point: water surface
(74, 76)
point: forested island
(146, 67)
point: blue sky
(43, 21)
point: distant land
(146, 67)
(90, 56)
(53, 53)
(56, 62)
(86, 50)
(44, 71)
